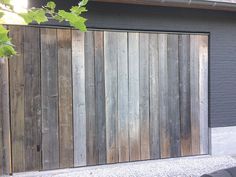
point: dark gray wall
(221, 26)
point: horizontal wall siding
(104, 97)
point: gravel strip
(178, 167)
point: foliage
(39, 15)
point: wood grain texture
(194, 91)
(5, 134)
(134, 119)
(154, 97)
(32, 99)
(203, 94)
(100, 96)
(79, 109)
(110, 59)
(184, 78)
(123, 96)
(173, 94)
(65, 98)
(17, 82)
(144, 95)
(163, 93)
(92, 150)
(49, 87)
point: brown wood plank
(144, 94)
(134, 121)
(154, 97)
(17, 100)
(32, 99)
(123, 110)
(100, 96)
(163, 93)
(203, 94)
(79, 112)
(65, 98)
(173, 94)
(194, 91)
(110, 59)
(5, 140)
(49, 87)
(184, 77)
(92, 151)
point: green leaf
(1, 14)
(83, 3)
(51, 5)
(78, 10)
(37, 15)
(7, 51)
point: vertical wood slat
(92, 151)
(17, 100)
(49, 86)
(154, 97)
(134, 121)
(110, 59)
(194, 90)
(144, 95)
(163, 93)
(65, 98)
(203, 93)
(123, 92)
(100, 96)
(5, 146)
(79, 109)
(32, 99)
(184, 77)
(173, 94)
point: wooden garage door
(79, 99)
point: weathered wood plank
(92, 151)
(17, 100)
(184, 79)
(163, 93)
(100, 96)
(49, 87)
(194, 91)
(32, 99)
(79, 112)
(173, 94)
(144, 94)
(203, 94)
(134, 121)
(110, 59)
(5, 140)
(65, 98)
(123, 91)
(154, 97)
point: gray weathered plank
(134, 121)
(163, 93)
(32, 99)
(110, 60)
(194, 91)
(5, 140)
(184, 83)
(65, 98)
(49, 87)
(144, 95)
(203, 94)
(123, 110)
(92, 151)
(79, 112)
(173, 94)
(17, 100)
(154, 97)
(100, 96)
